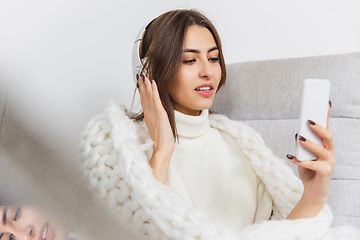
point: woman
(192, 89)
(206, 164)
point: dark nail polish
(143, 78)
(302, 138)
(311, 122)
(296, 136)
(151, 81)
(137, 77)
(289, 156)
(137, 85)
(330, 104)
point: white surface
(66, 58)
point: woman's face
(200, 72)
(29, 222)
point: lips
(46, 233)
(206, 90)
(204, 87)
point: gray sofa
(266, 95)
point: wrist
(308, 203)
(306, 208)
(164, 150)
(160, 162)
(163, 155)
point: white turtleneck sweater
(209, 170)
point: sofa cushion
(271, 89)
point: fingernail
(311, 122)
(290, 156)
(151, 81)
(296, 136)
(137, 85)
(330, 104)
(302, 138)
(137, 77)
(143, 78)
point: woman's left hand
(316, 175)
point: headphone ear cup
(136, 62)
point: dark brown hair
(162, 45)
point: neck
(190, 127)
(187, 111)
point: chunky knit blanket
(118, 171)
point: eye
(214, 59)
(17, 213)
(191, 61)
(12, 237)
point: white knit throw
(119, 172)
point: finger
(328, 117)
(320, 167)
(137, 81)
(146, 95)
(144, 81)
(294, 160)
(324, 133)
(152, 93)
(143, 93)
(317, 149)
(147, 84)
(156, 95)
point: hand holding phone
(314, 107)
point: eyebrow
(190, 50)
(4, 216)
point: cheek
(177, 92)
(218, 74)
(182, 84)
(31, 215)
(185, 76)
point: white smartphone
(314, 107)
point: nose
(29, 232)
(23, 233)
(206, 70)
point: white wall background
(64, 59)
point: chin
(206, 106)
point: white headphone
(137, 63)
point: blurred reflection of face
(29, 222)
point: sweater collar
(191, 126)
